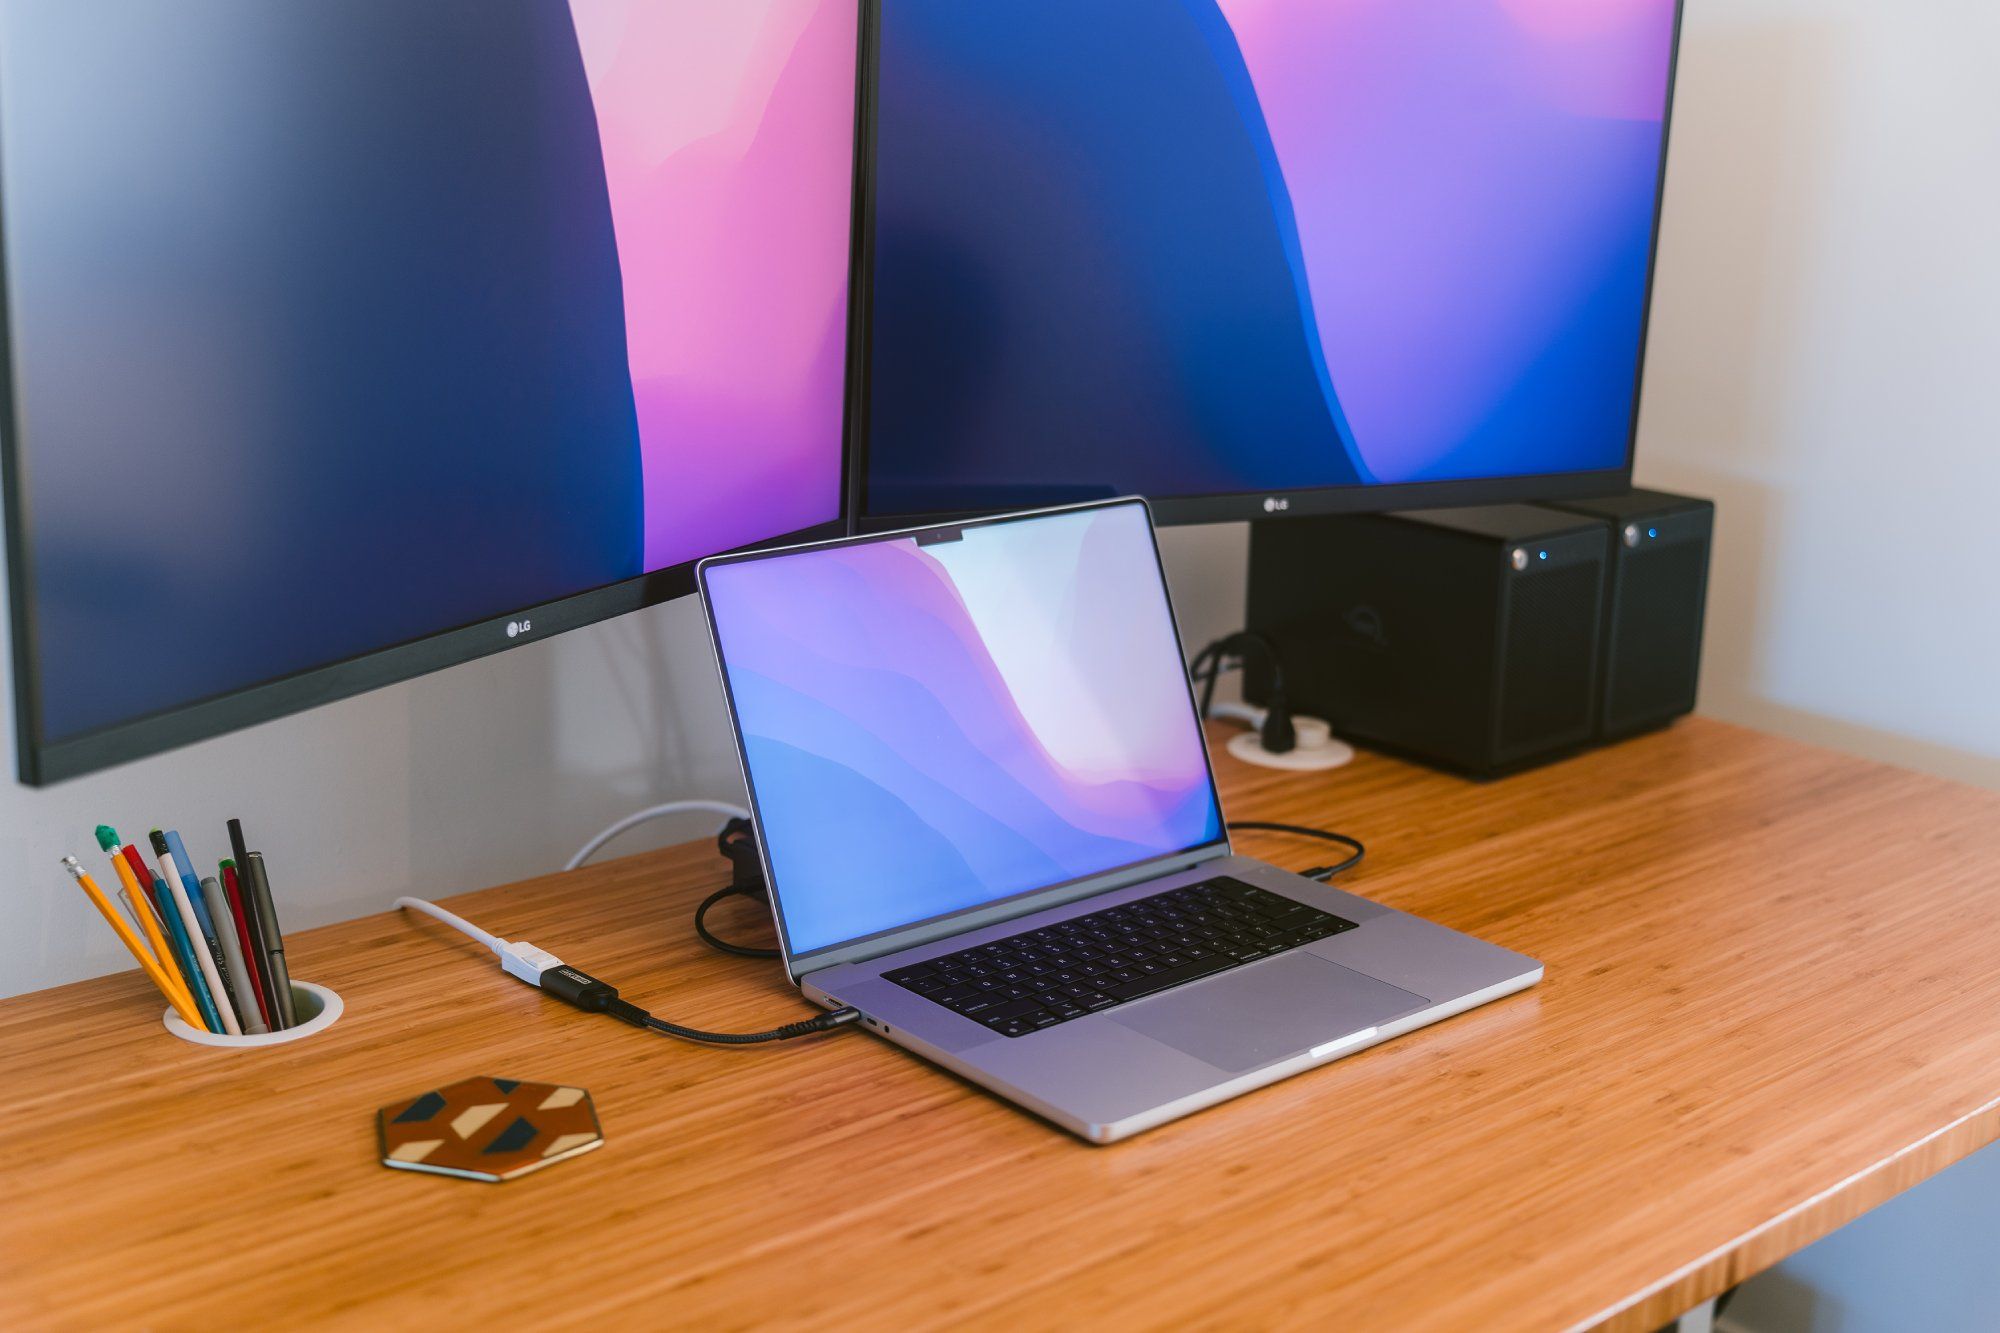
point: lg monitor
(352, 339)
(1248, 256)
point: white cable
(454, 920)
(1233, 711)
(1239, 713)
(519, 959)
(638, 817)
(525, 960)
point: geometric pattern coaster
(488, 1128)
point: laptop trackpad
(1268, 1011)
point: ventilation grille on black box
(1546, 695)
(1656, 643)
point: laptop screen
(934, 723)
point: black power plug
(1278, 734)
(738, 844)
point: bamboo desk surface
(1771, 1003)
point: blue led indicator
(1652, 532)
(1545, 555)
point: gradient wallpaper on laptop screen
(931, 728)
(359, 320)
(1189, 247)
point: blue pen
(167, 845)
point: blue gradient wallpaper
(929, 728)
(1193, 247)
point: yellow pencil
(183, 1005)
(150, 923)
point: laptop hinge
(1012, 909)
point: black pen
(273, 941)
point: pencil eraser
(107, 837)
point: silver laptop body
(1109, 1067)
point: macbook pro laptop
(988, 822)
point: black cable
(1215, 657)
(720, 945)
(1210, 657)
(579, 989)
(839, 1018)
(738, 844)
(1278, 734)
(1300, 830)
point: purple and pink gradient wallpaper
(1211, 247)
(727, 132)
(1469, 180)
(930, 728)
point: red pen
(253, 961)
(149, 884)
(146, 875)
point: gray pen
(273, 941)
(241, 983)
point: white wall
(1826, 364)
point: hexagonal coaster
(488, 1128)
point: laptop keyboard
(1043, 977)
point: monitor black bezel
(1243, 506)
(41, 762)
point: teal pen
(184, 953)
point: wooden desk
(1772, 1002)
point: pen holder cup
(315, 1007)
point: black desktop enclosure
(1655, 597)
(1463, 638)
(43, 759)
